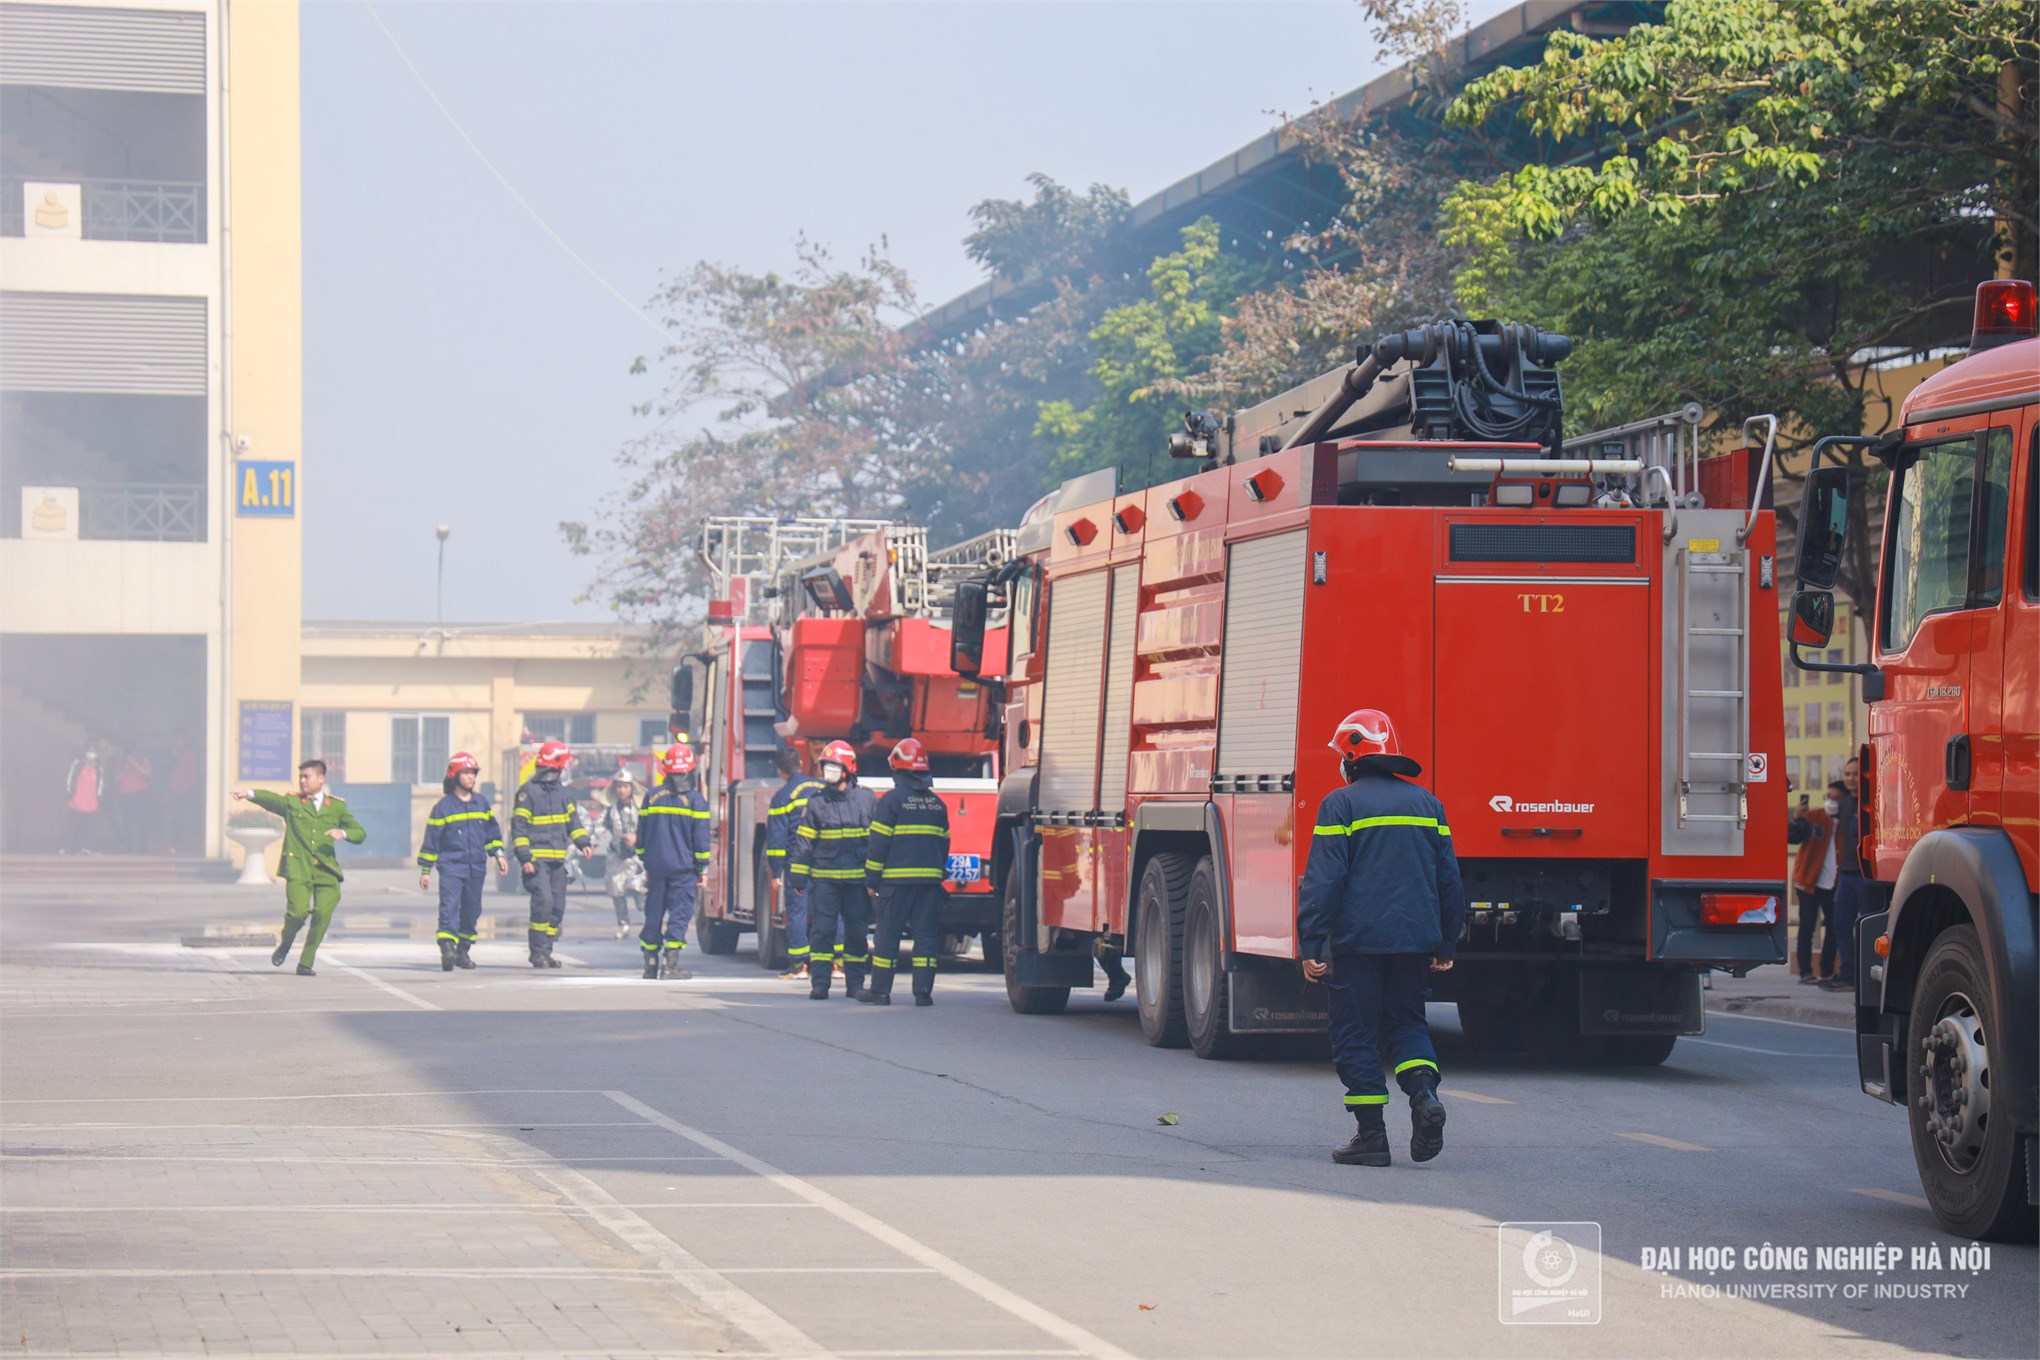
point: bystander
(1813, 879)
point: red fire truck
(1950, 778)
(823, 630)
(1578, 641)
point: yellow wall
(264, 347)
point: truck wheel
(1025, 1000)
(1637, 1050)
(1970, 1163)
(1207, 1000)
(771, 938)
(717, 937)
(1158, 950)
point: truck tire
(1158, 950)
(1207, 1000)
(717, 937)
(1025, 1000)
(1970, 1164)
(771, 938)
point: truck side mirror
(967, 628)
(1813, 617)
(1823, 527)
(683, 698)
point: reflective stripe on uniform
(446, 935)
(1401, 1068)
(920, 962)
(1365, 822)
(1367, 1100)
(905, 872)
(775, 853)
(543, 853)
(877, 962)
(836, 873)
(458, 817)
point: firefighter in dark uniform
(1380, 910)
(827, 863)
(904, 865)
(673, 841)
(782, 815)
(461, 837)
(545, 829)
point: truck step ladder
(1722, 649)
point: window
(322, 735)
(1993, 515)
(1791, 676)
(2033, 518)
(1947, 548)
(652, 730)
(1023, 594)
(1813, 720)
(1834, 658)
(1792, 767)
(1791, 723)
(575, 729)
(419, 746)
(1837, 719)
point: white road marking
(1893, 1197)
(1774, 1020)
(1767, 1052)
(378, 1208)
(342, 1128)
(714, 1291)
(323, 1095)
(1454, 1093)
(827, 1270)
(1659, 1140)
(300, 1161)
(956, 1272)
(372, 980)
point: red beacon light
(2006, 310)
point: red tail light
(2006, 310)
(1738, 909)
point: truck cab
(1950, 777)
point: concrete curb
(1766, 1008)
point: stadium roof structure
(1267, 189)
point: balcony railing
(130, 512)
(122, 209)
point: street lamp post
(439, 602)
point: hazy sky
(461, 369)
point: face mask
(832, 773)
(1834, 808)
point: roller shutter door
(1257, 690)
(1070, 709)
(1119, 689)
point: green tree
(1142, 347)
(1782, 193)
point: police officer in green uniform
(312, 823)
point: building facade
(150, 409)
(384, 704)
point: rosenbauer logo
(1502, 802)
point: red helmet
(554, 755)
(842, 753)
(461, 760)
(679, 759)
(1369, 733)
(909, 755)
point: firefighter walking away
(673, 840)
(827, 864)
(1380, 910)
(545, 828)
(904, 864)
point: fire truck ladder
(756, 549)
(1670, 442)
(1718, 642)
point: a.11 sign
(265, 488)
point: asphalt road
(205, 1155)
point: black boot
(924, 999)
(445, 955)
(1116, 976)
(819, 975)
(651, 964)
(290, 930)
(305, 970)
(853, 984)
(1369, 1146)
(669, 965)
(460, 955)
(1427, 1116)
(880, 991)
